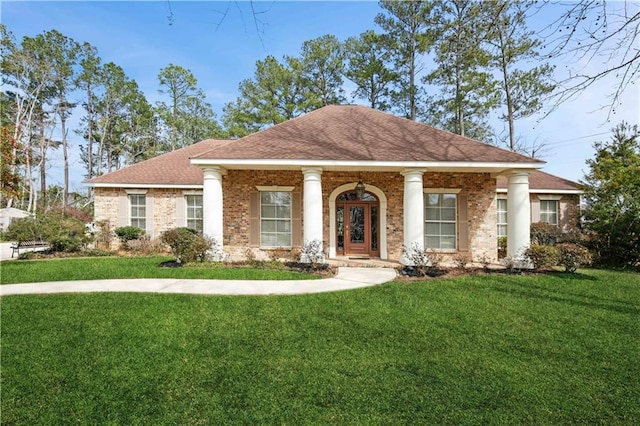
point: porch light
(360, 190)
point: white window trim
(192, 192)
(277, 188)
(136, 191)
(505, 210)
(186, 205)
(456, 222)
(557, 212)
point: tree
(275, 94)
(368, 66)
(88, 80)
(611, 187)
(186, 109)
(124, 121)
(59, 53)
(10, 179)
(597, 39)
(178, 83)
(322, 66)
(26, 79)
(407, 26)
(468, 91)
(522, 90)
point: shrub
(423, 261)
(201, 246)
(572, 256)
(502, 247)
(65, 233)
(312, 252)
(461, 260)
(485, 261)
(145, 246)
(544, 234)
(128, 233)
(542, 256)
(65, 245)
(509, 263)
(103, 234)
(186, 245)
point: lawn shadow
(562, 295)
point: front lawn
(561, 349)
(96, 268)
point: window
(502, 217)
(275, 219)
(549, 211)
(138, 203)
(440, 218)
(194, 212)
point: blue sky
(220, 42)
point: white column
(312, 204)
(212, 225)
(518, 214)
(413, 209)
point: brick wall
(238, 184)
(107, 207)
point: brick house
(361, 181)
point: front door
(357, 229)
(357, 224)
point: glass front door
(358, 229)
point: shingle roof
(333, 132)
(539, 180)
(354, 132)
(172, 168)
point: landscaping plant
(128, 233)
(186, 245)
(572, 256)
(542, 256)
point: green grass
(562, 349)
(25, 271)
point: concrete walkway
(347, 278)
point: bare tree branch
(601, 40)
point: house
(553, 200)
(8, 215)
(363, 182)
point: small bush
(485, 261)
(65, 245)
(27, 255)
(572, 256)
(502, 247)
(186, 245)
(312, 252)
(422, 261)
(509, 263)
(461, 260)
(295, 255)
(145, 246)
(128, 233)
(542, 256)
(544, 234)
(103, 234)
